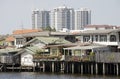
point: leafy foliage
(48, 28)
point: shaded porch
(83, 52)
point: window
(119, 36)
(103, 38)
(27, 59)
(112, 38)
(54, 51)
(92, 38)
(12, 42)
(19, 41)
(86, 38)
(96, 37)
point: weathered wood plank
(107, 57)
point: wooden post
(88, 67)
(43, 66)
(39, 66)
(110, 68)
(117, 69)
(67, 66)
(96, 67)
(33, 66)
(103, 68)
(107, 68)
(78, 67)
(114, 69)
(53, 66)
(81, 68)
(62, 67)
(72, 68)
(13, 67)
(92, 69)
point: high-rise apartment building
(35, 19)
(82, 18)
(40, 19)
(62, 17)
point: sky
(16, 14)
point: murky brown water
(32, 75)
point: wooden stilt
(43, 66)
(81, 68)
(96, 66)
(117, 70)
(52, 66)
(92, 69)
(103, 68)
(72, 68)
(33, 66)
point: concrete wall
(26, 59)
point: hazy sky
(17, 13)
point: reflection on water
(31, 75)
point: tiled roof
(9, 39)
(24, 31)
(35, 34)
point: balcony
(87, 58)
(46, 58)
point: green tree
(53, 29)
(48, 28)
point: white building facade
(110, 38)
(40, 19)
(82, 18)
(62, 17)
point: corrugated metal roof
(52, 40)
(32, 50)
(35, 49)
(84, 47)
(7, 50)
(49, 40)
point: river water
(32, 75)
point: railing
(66, 58)
(108, 57)
(46, 57)
(80, 58)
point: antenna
(22, 27)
